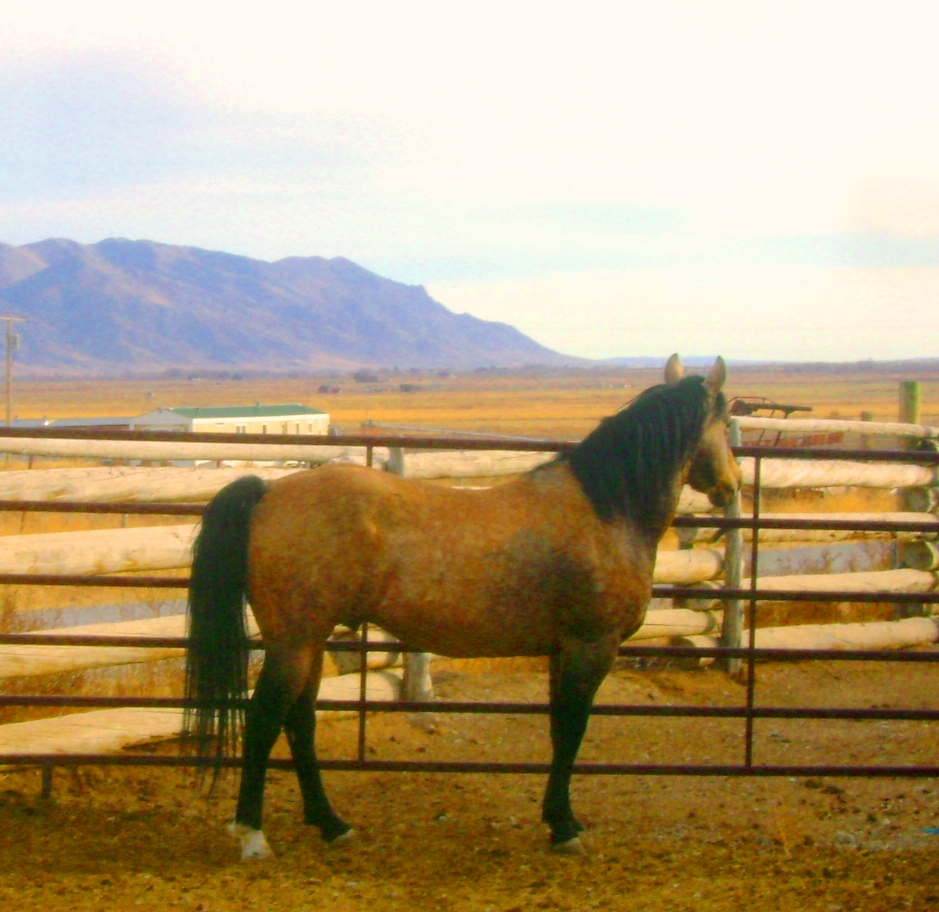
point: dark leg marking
(300, 724)
(576, 673)
(263, 721)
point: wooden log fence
(50, 657)
(690, 535)
(907, 633)
(99, 551)
(134, 484)
(798, 473)
(838, 425)
(166, 547)
(112, 730)
(180, 451)
(148, 484)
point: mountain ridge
(137, 306)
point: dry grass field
(556, 404)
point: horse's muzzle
(722, 496)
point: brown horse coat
(507, 571)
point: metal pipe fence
(748, 654)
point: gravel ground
(122, 838)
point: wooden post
(417, 683)
(909, 401)
(396, 461)
(12, 344)
(732, 628)
(865, 439)
(909, 414)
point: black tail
(217, 657)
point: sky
(759, 180)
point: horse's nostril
(722, 496)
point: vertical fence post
(732, 627)
(751, 608)
(363, 688)
(417, 684)
(909, 401)
(396, 461)
(909, 414)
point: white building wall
(265, 424)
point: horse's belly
(461, 632)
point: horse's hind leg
(577, 670)
(282, 678)
(300, 725)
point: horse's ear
(717, 376)
(673, 370)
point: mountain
(123, 306)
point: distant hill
(123, 306)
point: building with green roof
(292, 418)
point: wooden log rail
(785, 527)
(66, 649)
(907, 633)
(854, 467)
(201, 483)
(135, 484)
(797, 473)
(98, 551)
(838, 425)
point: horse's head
(712, 469)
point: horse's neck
(654, 527)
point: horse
(557, 563)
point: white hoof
(253, 843)
(347, 837)
(571, 847)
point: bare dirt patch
(122, 838)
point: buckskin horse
(557, 563)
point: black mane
(627, 464)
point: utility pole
(12, 343)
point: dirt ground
(125, 838)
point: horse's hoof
(253, 843)
(570, 847)
(255, 847)
(343, 838)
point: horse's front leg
(577, 670)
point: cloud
(673, 155)
(86, 124)
(90, 123)
(766, 312)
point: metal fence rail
(748, 654)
